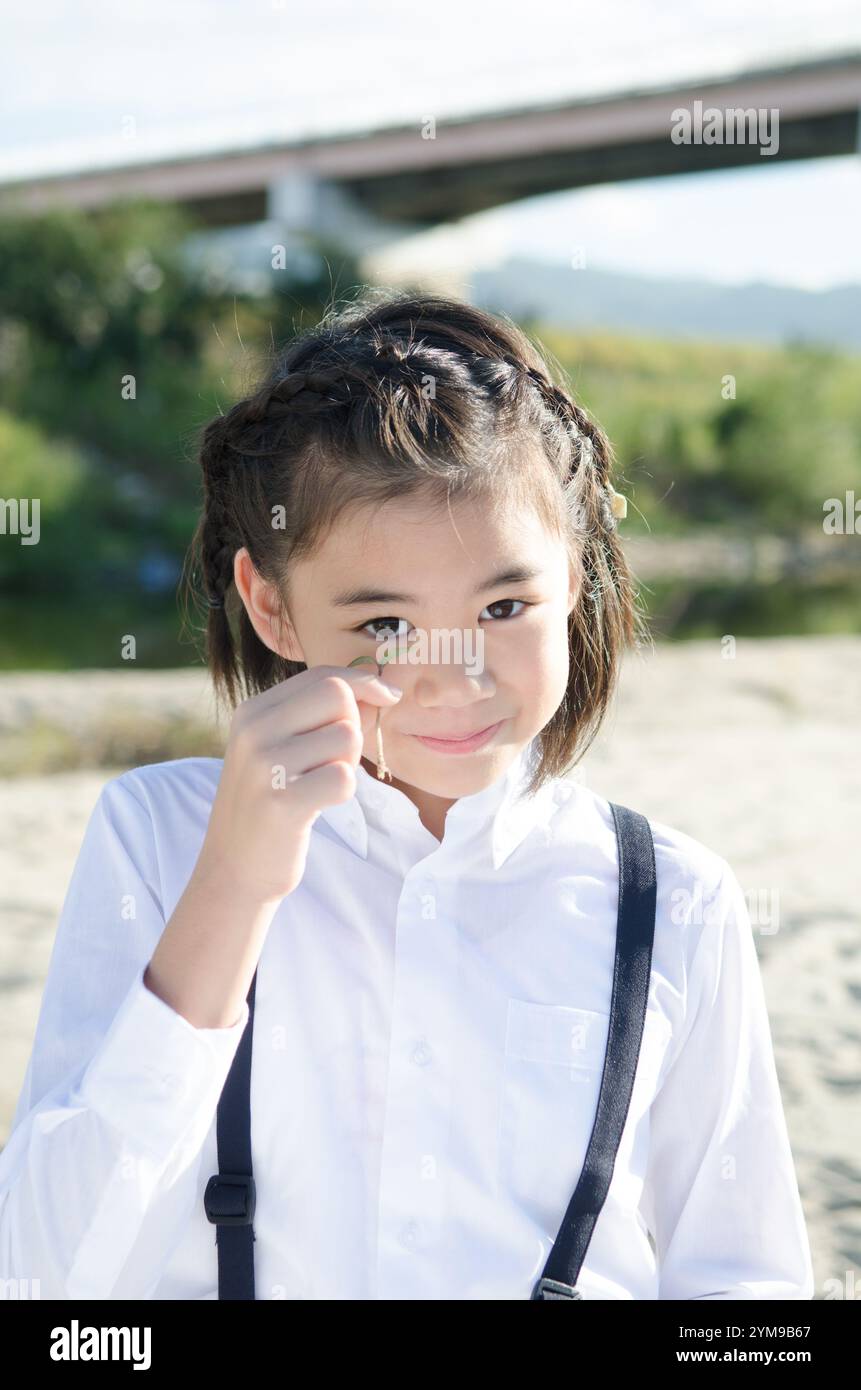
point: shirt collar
(500, 814)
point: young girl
(392, 867)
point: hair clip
(618, 502)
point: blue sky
(222, 73)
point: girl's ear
(264, 610)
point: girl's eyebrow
(512, 574)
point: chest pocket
(551, 1076)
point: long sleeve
(721, 1194)
(100, 1170)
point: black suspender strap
(229, 1198)
(635, 930)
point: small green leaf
(375, 661)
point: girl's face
(479, 606)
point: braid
(296, 393)
(306, 393)
(608, 580)
(591, 447)
(215, 540)
(218, 551)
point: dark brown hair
(394, 395)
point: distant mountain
(664, 308)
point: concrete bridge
(367, 189)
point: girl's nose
(450, 684)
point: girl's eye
(503, 602)
(389, 628)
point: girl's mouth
(460, 745)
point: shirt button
(421, 1054)
(409, 1233)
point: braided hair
(401, 394)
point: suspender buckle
(546, 1289)
(230, 1199)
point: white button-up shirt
(429, 1033)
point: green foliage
(90, 301)
(764, 460)
(51, 477)
(115, 349)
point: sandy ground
(757, 754)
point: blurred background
(226, 171)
